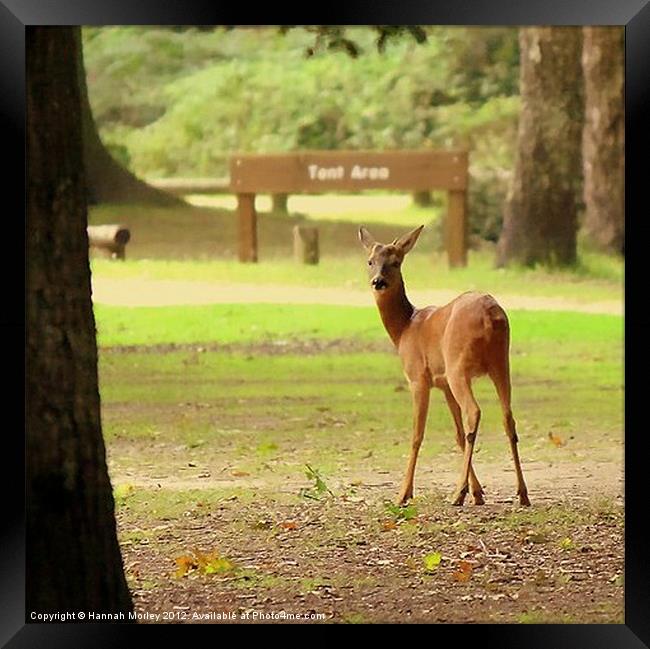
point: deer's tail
(495, 321)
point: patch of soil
(350, 558)
(262, 348)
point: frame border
(15, 15)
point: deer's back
(466, 332)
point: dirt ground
(349, 556)
(345, 559)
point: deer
(444, 347)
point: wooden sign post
(323, 171)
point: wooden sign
(323, 171)
(314, 172)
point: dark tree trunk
(280, 203)
(540, 215)
(604, 137)
(73, 558)
(422, 198)
(107, 180)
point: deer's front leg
(420, 392)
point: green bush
(181, 101)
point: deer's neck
(395, 311)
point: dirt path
(348, 559)
(549, 482)
(156, 292)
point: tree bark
(73, 557)
(540, 215)
(603, 143)
(280, 203)
(422, 198)
(107, 180)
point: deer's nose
(378, 283)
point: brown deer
(445, 347)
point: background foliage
(177, 103)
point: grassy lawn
(208, 449)
(371, 208)
(255, 449)
(246, 323)
(191, 243)
(567, 376)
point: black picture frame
(15, 15)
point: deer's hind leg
(461, 389)
(500, 375)
(454, 408)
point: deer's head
(385, 260)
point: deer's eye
(396, 264)
(369, 263)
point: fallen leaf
(217, 565)
(289, 525)
(239, 474)
(464, 572)
(206, 563)
(388, 525)
(432, 561)
(184, 564)
(558, 441)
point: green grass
(370, 208)
(192, 243)
(421, 271)
(246, 323)
(268, 416)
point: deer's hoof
(478, 499)
(404, 497)
(523, 500)
(459, 498)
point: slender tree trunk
(107, 180)
(540, 216)
(603, 143)
(73, 558)
(280, 203)
(422, 198)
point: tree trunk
(107, 180)
(422, 198)
(603, 143)
(73, 558)
(280, 203)
(540, 215)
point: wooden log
(247, 227)
(110, 239)
(456, 229)
(305, 244)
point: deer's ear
(366, 238)
(407, 242)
